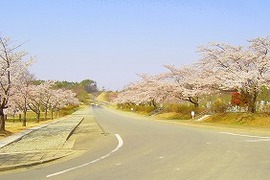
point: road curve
(157, 150)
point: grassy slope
(103, 97)
(241, 119)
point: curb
(103, 131)
(72, 131)
(33, 163)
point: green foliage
(171, 115)
(78, 88)
(68, 110)
(179, 108)
(182, 108)
(266, 109)
(37, 82)
(183, 111)
(264, 94)
(81, 89)
(138, 108)
(81, 94)
(89, 85)
(219, 106)
(66, 85)
(144, 108)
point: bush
(183, 111)
(169, 115)
(266, 109)
(68, 110)
(134, 107)
(219, 107)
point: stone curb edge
(72, 131)
(11, 167)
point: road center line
(243, 135)
(120, 144)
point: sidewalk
(40, 144)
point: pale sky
(110, 41)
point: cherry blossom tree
(189, 83)
(35, 98)
(12, 110)
(57, 101)
(21, 96)
(69, 98)
(245, 69)
(12, 67)
(46, 89)
(180, 84)
(149, 90)
(61, 98)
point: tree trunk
(51, 114)
(24, 118)
(194, 101)
(153, 102)
(2, 120)
(38, 117)
(252, 98)
(251, 108)
(20, 117)
(46, 114)
(252, 103)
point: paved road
(136, 148)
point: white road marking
(258, 140)
(243, 135)
(120, 144)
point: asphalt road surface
(137, 148)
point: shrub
(169, 115)
(183, 111)
(219, 107)
(134, 107)
(144, 108)
(267, 109)
(239, 99)
(68, 110)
